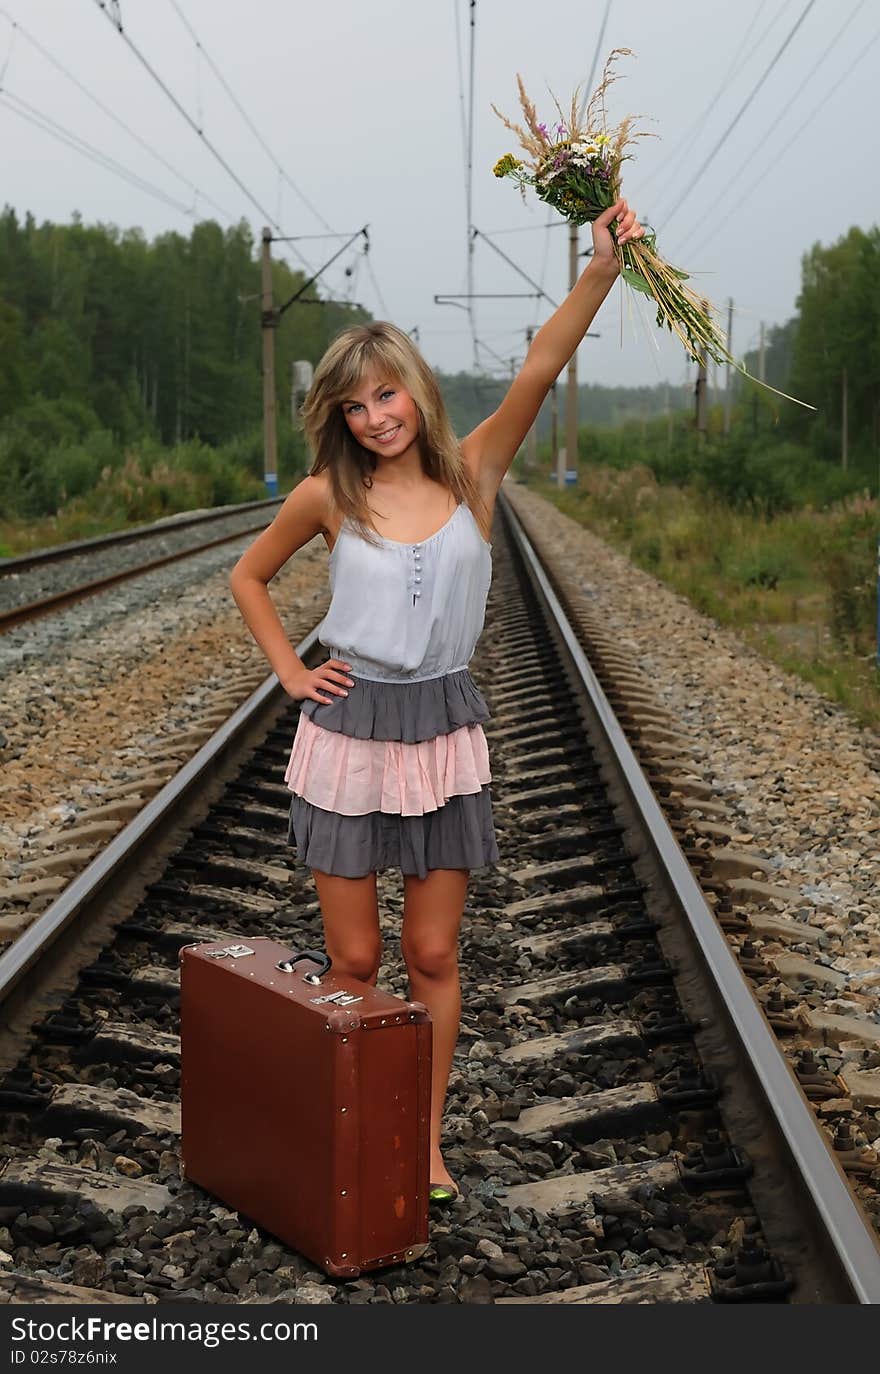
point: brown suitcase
(306, 1102)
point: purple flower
(560, 129)
(542, 129)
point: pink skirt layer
(356, 776)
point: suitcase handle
(317, 956)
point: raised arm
(493, 445)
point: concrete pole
(701, 412)
(532, 440)
(554, 437)
(269, 322)
(728, 397)
(571, 386)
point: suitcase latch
(339, 999)
(230, 952)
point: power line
(528, 228)
(733, 123)
(589, 86)
(8, 57)
(476, 233)
(79, 145)
(115, 18)
(787, 106)
(470, 178)
(372, 275)
(755, 180)
(281, 171)
(248, 121)
(459, 67)
(106, 110)
(687, 140)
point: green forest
(131, 378)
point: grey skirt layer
(403, 711)
(460, 834)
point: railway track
(41, 583)
(625, 1125)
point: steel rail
(32, 610)
(849, 1234)
(124, 848)
(22, 561)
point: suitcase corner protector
(418, 1012)
(340, 1020)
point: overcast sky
(361, 103)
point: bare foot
(440, 1174)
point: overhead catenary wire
(469, 179)
(756, 179)
(110, 114)
(376, 287)
(680, 200)
(683, 146)
(9, 51)
(245, 116)
(477, 233)
(282, 173)
(589, 86)
(461, 101)
(110, 9)
(79, 145)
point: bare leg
(350, 910)
(432, 911)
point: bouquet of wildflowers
(575, 167)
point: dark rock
(670, 1241)
(476, 1290)
(239, 1273)
(507, 1267)
(36, 1228)
(590, 1273)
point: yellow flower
(504, 165)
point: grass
(799, 587)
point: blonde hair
(381, 348)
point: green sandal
(444, 1193)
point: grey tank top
(407, 612)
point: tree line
(108, 338)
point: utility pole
(761, 366)
(571, 385)
(727, 393)
(700, 394)
(554, 434)
(269, 322)
(532, 438)
(844, 424)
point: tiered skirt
(395, 775)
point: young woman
(389, 767)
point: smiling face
(382, 416)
